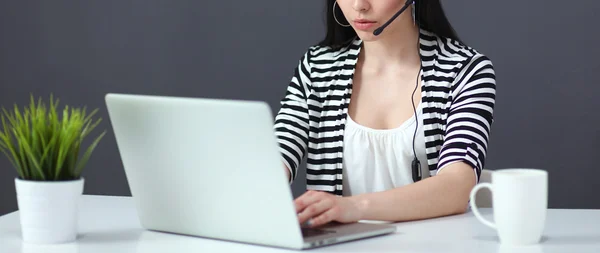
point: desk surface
(110, 224)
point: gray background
(544, 51)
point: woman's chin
(366, 35)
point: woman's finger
(326, 217)
(307, 199)
(314, 210)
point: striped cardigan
(458, 96)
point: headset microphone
(380, 29)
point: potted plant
(43, 145)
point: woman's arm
(444, 194)
(292, 121)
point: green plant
(42, 145)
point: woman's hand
(318, 208)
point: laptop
(212, 168)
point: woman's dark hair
(429, 14)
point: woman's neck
(396, 48)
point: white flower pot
(48, 210)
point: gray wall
(545, 54)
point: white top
(380, 159)
(110, 224)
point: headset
(416, 164)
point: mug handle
(474, 206)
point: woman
(348, 110)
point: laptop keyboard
(308, 232)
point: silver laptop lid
(205, 167)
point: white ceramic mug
(519, 202)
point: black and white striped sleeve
(291, 122)
(470, 116)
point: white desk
(110, 224)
